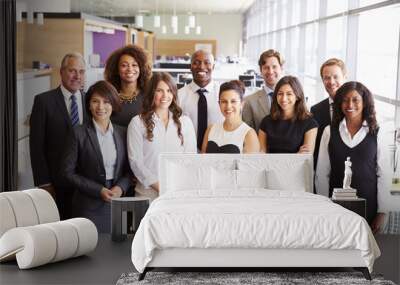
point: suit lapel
(85, 115)
(327, 112)
(95, 143)
(119, 145)
(262, 100)
(60, 105)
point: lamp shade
(164, 29)
(187, 30)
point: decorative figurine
(347, 174)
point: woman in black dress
(354, 133)
(289, 128)
(128, 69)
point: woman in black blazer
(95, 162)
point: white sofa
(31, 231)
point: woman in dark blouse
(128, 69)
(289, 128)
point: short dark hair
(300, 109)
(270, 53)
(368, 113)
(235, 85)
(105, 90)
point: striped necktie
(74, 111)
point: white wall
(225, 28)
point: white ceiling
(131, 7)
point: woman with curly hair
(159, 128)
(128, 69)
(354, 133)
(289, 128)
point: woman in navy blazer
(95, 161)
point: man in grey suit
(258, 105)
(54, 113)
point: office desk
(102, 266)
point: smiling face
(128, 69)
(201, 67)
(271, 71)
(73, 74)
(230, 104)
(333, 78)
(100, 108)
(286, 99)
(163, 96)
(352, 105)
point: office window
(284, 13)
(336, 6)
(296, 15)
(311, 49)
(364, 3)
(310, 90)
(312, 9)
(292, 63)
(377, 62)
(336, 39)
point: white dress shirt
(107, 148)
(67, 100)
(324, 165)
(330, 107)
(143, 154)
(188, 98)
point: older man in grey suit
(258, 105)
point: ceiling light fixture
(191, 21)
(157, 18)
(174, 18)
(198, 30)
(39, 18)
(139, 16)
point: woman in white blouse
(354, 133)
(158, 129)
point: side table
(120, 208)
(357, 205)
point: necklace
(128, 99)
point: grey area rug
(228, 278)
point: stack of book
(344, 194)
